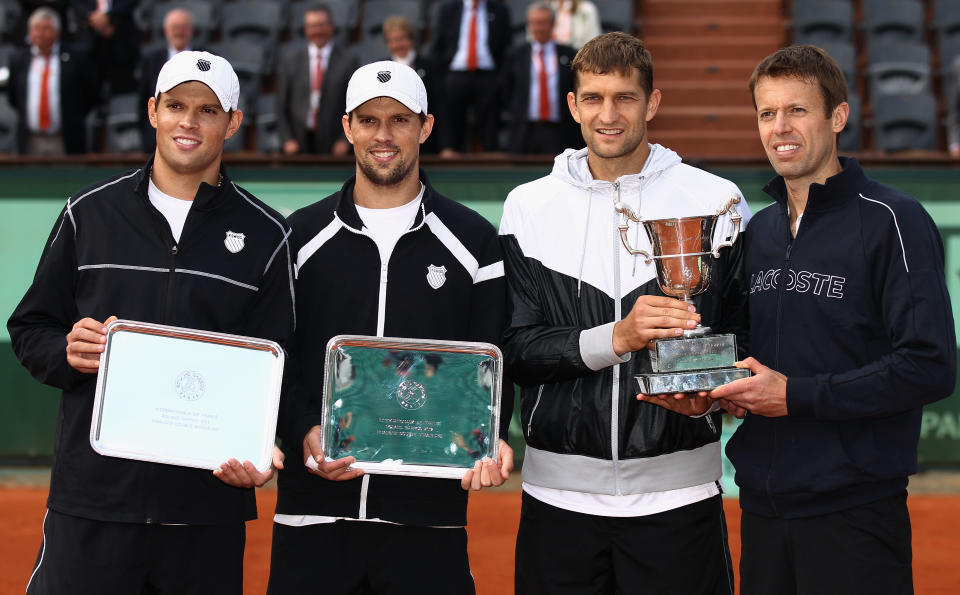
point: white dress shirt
(34, 82)
(484, 58)
(550, 60)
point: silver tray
(411, 406)
(186, 397)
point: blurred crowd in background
(75, 75)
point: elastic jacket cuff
(596, 347)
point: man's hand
(85, 342)
(652, 317)
(246, 475)
(338, 470)
(291, 147)
(682, 403)
(764, 393)
(487, 472)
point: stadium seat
(249, 61)
(9, 15)
(257, 22)
(377, 11)
(9, 121)
(904, 121)
(518, 14)
(898, 67)
(849, 138)
(123, 124)
(370, 50)
(205, 15)
(819, 21)
(846, 57)
(885, 20)
(615, 15)
(268, 140)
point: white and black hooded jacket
(569, 279)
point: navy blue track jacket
(855, 312)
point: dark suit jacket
(516, 89)
(293, 96)
(447, 33)
(79, 89)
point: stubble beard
(391, 177)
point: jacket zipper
(532, 413)
(171, 284)
(615, 386)
(776, 365)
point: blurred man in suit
(52, 90)
(470, 45)
(311, 89)
(400, 37)
(108, 28)
(178, 33)
(536, 80)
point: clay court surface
(492, 527)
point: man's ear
(426, 128)
(236, 116)
(345, 121)
(572, 105)
(152, 111)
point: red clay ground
(493, 521)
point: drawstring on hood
(571, 166)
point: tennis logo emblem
(190, 385)
(234, 242)
(411, 395)
(436, 276)
(383, 76)
(204, 65)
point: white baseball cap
(387, 79)
(213, 71)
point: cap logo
(383, 76)
(203, 65)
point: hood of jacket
(571, 166)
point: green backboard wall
(31, 199)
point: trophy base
(692, 353)
(689, 381)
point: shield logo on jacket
(436, 276)
(234, 242)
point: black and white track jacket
(344, 288)
(111, 252)
(569, 280)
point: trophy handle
(735, 218)
(629, 214)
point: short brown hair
(401, 23)
(807, 63)
(614, 52)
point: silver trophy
(682, 249)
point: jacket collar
(207, 197)
(346, 208)
(826, 196)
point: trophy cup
(682, 247)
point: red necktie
(472, 39)
(45, 96)
(315, 85)
(544, 93)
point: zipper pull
(383, 274)
(173, 250)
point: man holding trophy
(152, 245)
(851, 333)
(635, 485)
(385, 256)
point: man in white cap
(173, 242)
(386, 255)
